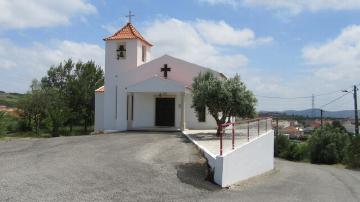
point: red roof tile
(127, 32)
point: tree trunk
(37, 125)
(85, 126)
(218, 131)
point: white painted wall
(124, 73)
(251, 159)
(192, 120)
(99, 111)
(144, 112)
(144, 109)
(117, 74)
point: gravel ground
(150, 167)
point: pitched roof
(128, 32)
(101, 89)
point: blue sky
(280, 48)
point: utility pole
(356, 111)
(321, 115)
(277, 126)
(313, 105)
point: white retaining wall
(251, 159)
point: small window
(202, 114)
(144, 53)
(121, 52)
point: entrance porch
(157, 104)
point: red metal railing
(243, 130)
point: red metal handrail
(248, 121)
(245, 121)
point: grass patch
(9, 99)
(17, 135)
(77, 131)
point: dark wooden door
(165, 112)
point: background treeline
(62, 103)
(330, 144)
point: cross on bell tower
(165, 69)
(129, 16)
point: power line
(334, 100)
(301, 97)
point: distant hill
(9, 99)
(308, 113)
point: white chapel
(141, 93)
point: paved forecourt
(142, 166)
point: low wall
(248, 160)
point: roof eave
(110, 39)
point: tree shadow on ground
(196, 174)
(183, 138)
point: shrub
(12, 124)
(297, 151)
(2, 123)
(327, 145)
(281, 145)
(353, 152)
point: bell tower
(125, 50)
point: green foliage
(353, 152)
(327, 145)
(222, 97)
(57, 111)
(9, 99)
(33, 107)
(338, 125)
(281, 145)
(12, 124)
(89, 77)
(294, 151)
(64, 97)
(297, 151)
(2, 123)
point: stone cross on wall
(165, 69)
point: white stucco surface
(99, 112)
(131, 75)
(144, 113)
(249, 159)
(156, 84)
(192, 121)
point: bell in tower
(121, 52)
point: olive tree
(222, 97)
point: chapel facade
(141, 93)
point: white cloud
(221, 33)
(19, 14)
(185, 40)
(338, 59)
(293, 6)
(19, 64)
(197, 42)
(215, 2)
